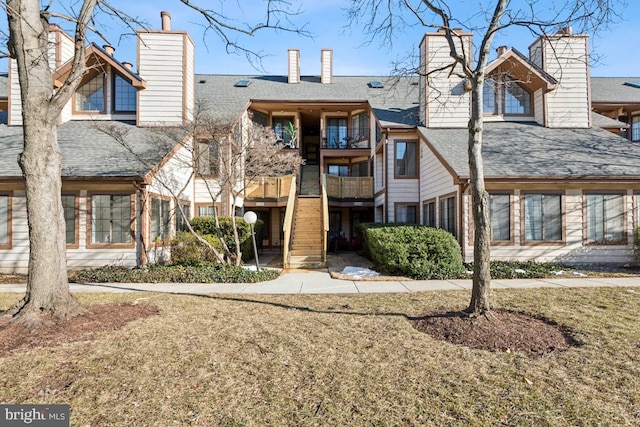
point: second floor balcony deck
(345, 138)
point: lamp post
(250, 218)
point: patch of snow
(359, 272)
(578, 273)
(520, 271)
(557, 272)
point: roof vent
(633, 84)
(242, 83)
(203, 81)
(375, 85)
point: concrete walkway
(320, 282)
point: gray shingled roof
(395, 104)
(606, 122)
(614, 90)
(529, 150)
(89, 152)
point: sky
(354, 52)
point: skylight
(242, 83)
(633, 84)
(375, 85)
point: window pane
(489, 97)
(429, 214)
(406, 159)
(90, 96)
(110, 219)
(282, 128)
(159, 219)
(499, 210)
(182, 217)
(516, 99)
(124, 95)
(207, 158)
(69, 208)
(635, 128)
(448, 215)
(552, 217)
(4, 220)
(406, 214)
(542, 217)
(336, 133)
(605, 217)
(533, 217)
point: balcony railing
(349, 187)
(345, 138)
(269, 187)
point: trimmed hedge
(415, 251)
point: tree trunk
(480, 205)
(41, 162)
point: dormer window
(90, 96)
(504, 96)
(124, 95)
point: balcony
(344, 137)
(349, 187)
(268, 188)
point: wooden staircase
(306, 248)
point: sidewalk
(320, 282)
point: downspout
(463, 184)
(385, 211)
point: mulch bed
(105, 317)
(498, 331)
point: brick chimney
(326, 65)
(294, 66)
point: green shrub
(206, 225)
(415, 251)
(523, 269)
(155, 273)
(187, 250)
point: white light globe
(250, 217)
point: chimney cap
(128, 65)
(109, 49)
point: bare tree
(224, 155)
(382, 18)
(47, 284)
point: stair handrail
(325, 216)
(287, 226)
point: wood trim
(9, 244)
(76, 219)
(585, 222)
(563, 215)
(395, 159)
(132, 223)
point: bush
(187, 250)
(206, 225)
(415, 251)
(155, 273)
(523, 269)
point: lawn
(336, 360)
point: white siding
(447, 103)
(538, 106)
(294, 66)
(15, 103)
(189, 84)
(162, 66)
(422, 97)
(566, 59)
(326, 65)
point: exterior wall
(15, 103)
(400, 190)
(189, 84)
(572, 250)
(538, 106)
(16, 259)
(422, 81)
(326, 72)
(447, 103)
(567, 59)
(162, 63)
(435, 181)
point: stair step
(314, 262)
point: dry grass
(336, 360)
